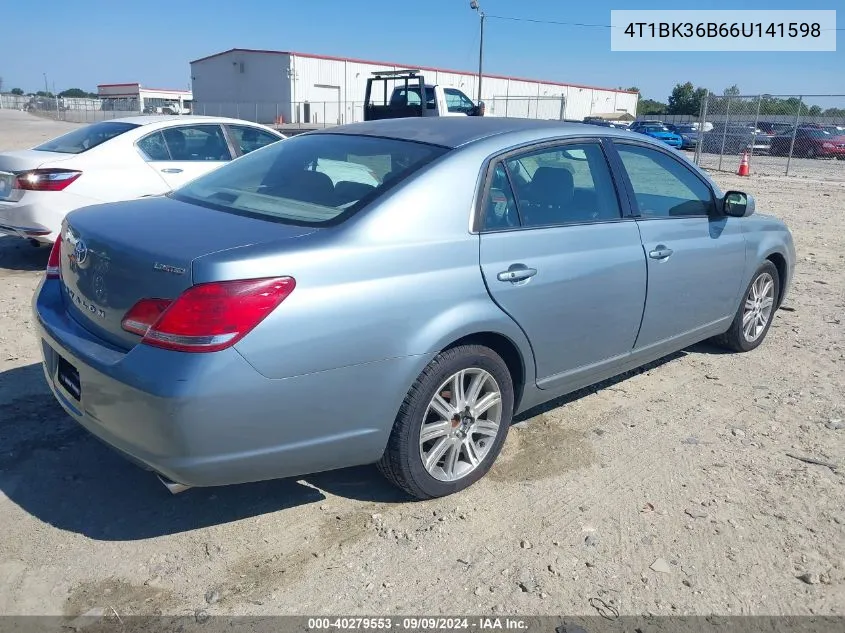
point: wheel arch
(783, 271)
(509, 352)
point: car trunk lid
(26, 159)
(113, 255)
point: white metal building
(289, 87)
(135, 97)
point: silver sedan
(283, 316)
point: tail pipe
(172, 486)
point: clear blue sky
(86, 42)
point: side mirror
(738, 204)
(477, 110)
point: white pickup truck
(394, 94)
(169, 107)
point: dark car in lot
(735, 138)
(688, 133)
(773, 129)
(811, 141)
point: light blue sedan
(274, 319)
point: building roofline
(140, 87)
(429, 68)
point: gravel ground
(667, 491)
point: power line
(512, 19)
(582, 24)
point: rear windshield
(311, 179)
(85, 138)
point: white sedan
(113, 160)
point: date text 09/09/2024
(418, 624)
(724, 29)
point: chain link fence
(780, 135)
(301, 114)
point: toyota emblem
(80, 252)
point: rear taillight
(46, 179)
(207, 317)
(143, 315)
(54, 262)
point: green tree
(17, 91)
(41, 93)
(76, 93)
(650, 106)
(733, 91)
(814, 110)
(686, 99)
(835, 112)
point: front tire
(755, 313)
(451, 425)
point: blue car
(662, 133)
(276, 318)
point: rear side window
(248, 138)
(86, 138)
(154, 147)
(570, 184)
(311, 179)
(196, 142)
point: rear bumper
(39, 214)
(830, 151)
(212, 419)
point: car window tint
(662, 186)
(86, 138)
(456, 101)
(566, 185)
(310, 179)
(153, 147)
(248, 138)
(196, 142)
(499, 208)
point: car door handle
(171, 170)
(661, 252)
(516, 272)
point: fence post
(794, 132)
(754, 133)
(724, 134)
(256, 111)
(701, 121)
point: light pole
(477, 7)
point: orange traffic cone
(743, 166)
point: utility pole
(477, 7)
(46, 88)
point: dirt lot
(682, 467)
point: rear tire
(472, 384)
(755, 312)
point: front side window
(310, 179)
(663, 187)
(86, 138)
(570, 184)
(457, 101)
